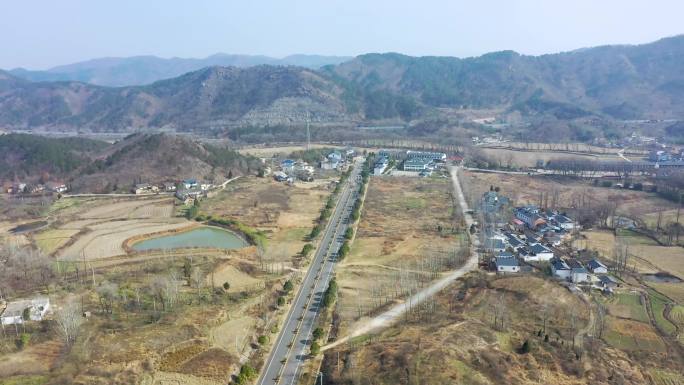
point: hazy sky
(40, 34)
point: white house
(335, 156)
(189, 183)
(579, 275)
(560, 269)
(57, 187)
(329, 165)
(564, 222)
(597, 267)
(507, 265)
(287, 165)
(537, 253)
(14, 312)
(416, 164)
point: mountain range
(141, 70)
(611, 83)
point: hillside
(23, 155)
(142, 70)
(611, 83)
(93, 166)
(621, 82)
(208, 99)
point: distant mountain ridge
(610, 83)
(143, 70)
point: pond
(661, 277)
(210, 237)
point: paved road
(291, 348)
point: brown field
(458, 344)
(649, 256)
(521, 158)
(267, 152)
(141, 341)
(383, 248)
(525, 189)
(285, 213)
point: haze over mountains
(609, 82)
(141, 70)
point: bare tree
(197, 280)
(107, 293)
(68, 322)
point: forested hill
(610, 82)
(95, 166)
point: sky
(41, 34)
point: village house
(35, 188)
(417, 164)
(335, 156)
(506, 265)
(537, 252)
(18, 188)
(578, 273)
(169, 186)
(530, 215)
(597, 267)
(607, 283)
(189, 183)
(493, 207)
(287, 165)
(380, 165)
(14, 312)
(57, 187)
(495, 244)
(329, 164)
(145, 188)
(426, 155)
(560, 269)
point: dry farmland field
(405, 223)
(173, 317)
(284, 213)
(524, 189)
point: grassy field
(386, 252)
(631, 335)
(628, 305)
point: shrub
(315, 348)
(317, 333)
(226, 286)
(288, 286)
(23, 340)
(263, 340)
(525, 348)
(349, 233)
(280, 301)
(246, 374)
(307, 249)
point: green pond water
(200, 237)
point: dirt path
(393, 314)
